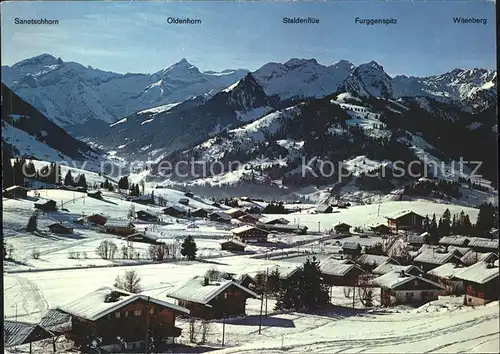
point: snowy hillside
(368, 80)
(69, 93)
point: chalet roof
(43, 201)
(245, 228)
(483, 243)
(147, 212)
(236, 242)
(194, 290)
(221, 215)
(426, 247)
(400, 214)
(255, 217)
(322, 208)
(176, 208)
(286, 271)
(395, 279)
(16, 187)
(234, 211)
(479, 273)
(142, 234)
(93, 306)
(278, 220)
(445, 271)
(433, 257)
(118, 223)
(65, 224)
(18, 333)
(461, 250)
(56, 321)
(473, 257)
(350, 245)
(378, 225)
(385, 268)
(94, 192)
(341, 224)
(373, 259)
(334, 267)
(454, 240)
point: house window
(151, 310)
(137, 312)
(126, 313)
(117, 314)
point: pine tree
(32, 223)
(188, 248)
(68, 179)
(82, 181)
(445, 222)
(433, 231)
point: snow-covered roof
(331, 266)
(483, 243)
(148, 212)
(373, 259)
(194, 290)
(454, 240)
(245, 228)
(474, 257)
(221, 215)
(433, 257)
(255, 217)
(233, 211)
(176, 208)
(65, 224)
(479, 273)
(278, 220)
(93, 306)
(341, 224)
(11, 188)
(350, 245)
(322, 208)
(118, 223)
(416, 239)
(236, 242)
(393, 280)
(445, 271)
(461, 250)
(385, 268)
(18, 333)
(400, 214)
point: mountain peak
(374, 65)
(42, 59)
(296, 62)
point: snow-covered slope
(302, 78)
(69, 93)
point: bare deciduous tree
(130, 282)
(106, 249)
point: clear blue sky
(134, 37)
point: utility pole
(147, 327)
(353, 295)
(260, 315)
(223, 327)
(319, 226)
(267, 279)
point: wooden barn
(219, 216)
(233, 246)
(110, 313)
(388, 267)
(235, 213)
(342, 228)
(15, 192)
(369, 262)
(142, 237)
(405, 220)
(18, 333)
(380, 229)
(119, 227)
(97, 219)
(402, 288)
(199, 213)
(480, 244)
(145, 215)
(249, 219)
(210, 300)
(174, 211)
(481, 283)
(278, 221)
(46, 205)
(184, 201)
(459, 241)
(324, 209)
(61, 228)
(445, 275)
(250, 234)
(351, 248)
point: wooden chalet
(210, 300)
(402, 288)
(142, 237)
(324, 209)
(481, 283)
(110, 313)
(369, 262)
(219, 216)
(61, 228)
(480, 244)
(119, 227)
(46, 205)
(199, 213)
(445, 275)
(145, 215)
(405, 220)
(472, 257)
(97, 219)
(339, 273)
(287, 229)
(249, 218)
(278, 221)
(380, 229)
(184, 201)
(250, 234)
(433, 258)
(351, 248)
(19, 333)
(459, 241)
(15, 192)
(233, 246)
(235, 213)
(94, 194)
(342, 228)
(174, 211)
(388, 267)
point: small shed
(351, 248)
(174, 211)
(145, 215)
(46, 205)
(19, 333)
(233, 246)
(324, 209)
(278, 221)
(339, 273)
(342, 228)
(97, 219)
(61, 228)
(184, 201)
(142, 237)
(15, 192)
(199, 213)
(119, 227)
(219, 216)
(235, 213)
(380, 229)
(249, 218)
